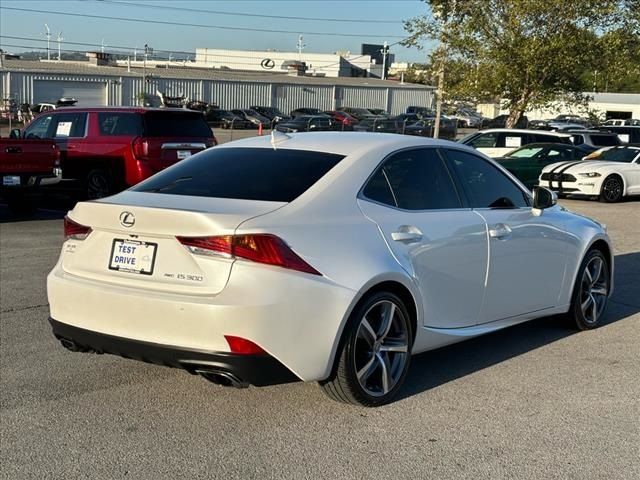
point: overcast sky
(320, 35)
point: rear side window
(72, 124)
(115, 124)
(176, 124)
(605, 140)
(486, 186)
(413, 180)
(244, 173)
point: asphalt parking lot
(534, 401)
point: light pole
(48, 35)
(385, 48)
(60, 39)
(300, 46)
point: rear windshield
(176, 124)
(244, 173)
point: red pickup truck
(25, 166)
(106, 149)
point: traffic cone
(260, 130)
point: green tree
(528, 53)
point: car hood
(583, 166)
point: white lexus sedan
(609, 174)
(329, 257)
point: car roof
(522, 130)
(124, 109)
(342, 143)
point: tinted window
(413, 180)
(244, 173)
(619, 155)
(116, 123)
(511, 140)
(484, 140)
(486, 186)
(39, 127)
(175, 124)
(605, 140)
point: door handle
(407, 234)
(13, 150)
(499, 230)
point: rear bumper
(241, 370)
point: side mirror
(15, 133)
(543, 198)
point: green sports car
(527, 162)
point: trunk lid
(133, 240)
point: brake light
(243, 346)
(140, 148)
(259, 248)
(75, 231)
(56, 159)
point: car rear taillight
(259, 248)
(75, 231)
(56, 158)
(243, 346)
(140, 147)
(211, 143)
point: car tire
(590, 292)
(374, 354)
(98, 184)
(612, 189)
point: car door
(527, 251)
(441, 244)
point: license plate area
(11, 180)
(133, 256)
(182, 154)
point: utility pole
(48, 35)
(60, 39)
(385, 49)
(147, 51)
(444, 17)
(300, 45)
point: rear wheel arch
(392, 286)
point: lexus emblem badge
(267, 64)
(127, 219)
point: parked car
(428, 112)
(306, 123)
(219, 118)
(500, 141)
(253, 117)
(527, 162)
(380, 112)
(338, 257)
(342, 120)
(27, 165)
(359, 113)
(466, 117)
(593, 139)
(618, 122)
(272, 113)
(106, 149)
(610, 175)
(501, 122)
(626, 134)
(425, 128)
(305, 111)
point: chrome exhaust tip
(225, 379)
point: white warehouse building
(35, 82)
(339, 64)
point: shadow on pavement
(49, 208)
(437, 367)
